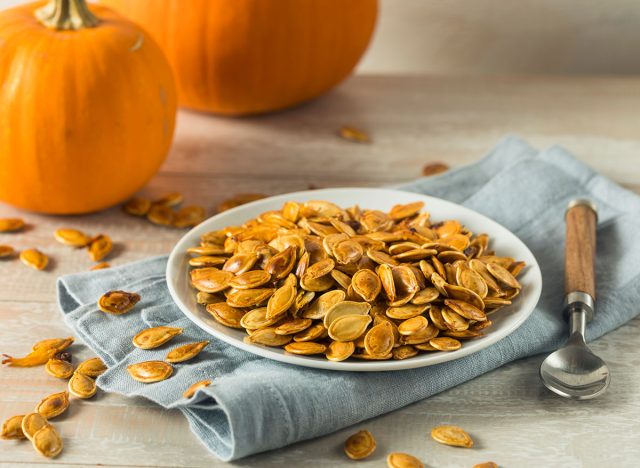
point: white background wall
(502, 36)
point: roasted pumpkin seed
(444, 343)
(186, 351)
(306, 348)
(137, 206)
(58, 368)
(34, 258)
(340, 350)
(452, 435)
(93, 367)
(348, 327)
(12, 428)
(268, 337)
(360, 445)
(191, 391)
(32, 423)
(379, 340)
(403, 460)
(47, 442)
(82, 386)
(151, 338)
(72, 237)
(118, 302)
(6, 251)
(189, 216)
(150, 371)
(53, 405)
(11, 224)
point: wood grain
(413, 121)
(580, 250)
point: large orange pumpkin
(87, 107)
(239, 57)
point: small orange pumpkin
(239, 57)
(88, 107)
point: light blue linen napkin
(256, 404)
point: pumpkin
(238, 57)
(88, 107)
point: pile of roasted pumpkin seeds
(36, 426)
(164, 212)
(317, 279)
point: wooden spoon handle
(580, 248)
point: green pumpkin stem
(66, 15)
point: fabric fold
(256, 404)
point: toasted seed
(100, 266)
(291, 327)
(186, 352)
(11, 224)
(53, 405)
(471, 279)
(503, 275)
(150, 371)
(340, 350)
(305, 348)
(406, 311)
(58, 368)
(118, 302)
(210, 280)
(268, 337)
(257, 318)
(161, 215)
(413, 325)
(353, 134)
(12, 428)
(189, 216)
(403, 460)
(379, 340)
(47, 442)
(191, 391)
(72, 237)
(82, 386)
(404, 352)
(282, 299)
(366, 284)
(137, 206)
(32, 423)
(99, 247)
(250, 279)
(241, 298)
(6, 251)
(444, 343)
(320, 306)
(452, 435)
(434, 168)
(151, 338)
(488, 464)
(34, 258)
(360, 445)
(207, 261)
(420, 337)
(343, 308)
(240, 262)
(92, 367)
(466, 310)
(464, 294)
(314, 332)
(348, 327)
(399, 212)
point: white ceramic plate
(503, 241)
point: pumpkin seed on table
(32, 423)
(34, 258)
(189, 216)
(403, 460)
(360, 445)
(191, 391)
(12, 428)
(82, 386)
(53, 405)
(99, 247)
(150, 371)
(354, 134)
(186, 352)
(41, 353)
(452, 435)
(488, 464)
(11, 224)
(118, 302)
(6, 251)
(59, 368)
(154, 337)
(161, 215)
(171, 199)
(434, 168)
(137, 206)
(93, 367)
(72, 237)
(47, 442)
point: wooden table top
(413, 121)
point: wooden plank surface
(413, 121)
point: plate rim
(179, 249)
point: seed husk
(503, 275)
(82, 386)
(348, 327)
(118, 302)
(189, 216)
(267, 336)
(210, 280)
(58, 368)
(340, 350)
(250, 279)
(6, 251)
(12, 428)
(282, 299)
(34, 258)
(226, 314)
(444, 343)
(413, 325)
(186, 351)
(305, 348)
(47, 442)
(343, 308)
(315, 332)
(360, 445)
(488, 464)
(191, 391)
(32, 423)
(241, 298)
(161, 215)
(92, 367)
(379, 340)
(154, 337)
(170, 199)
(137, 206)
(452, 435)
(291, 327)
(11, 224)
(404, 352)
(99, 247)
(72, 237)
(403, 460)
(53, 405)
(150, 371)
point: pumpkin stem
(66, 14)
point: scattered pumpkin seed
(186, 352)
(488, 464)
(12, 428)
(403, 460)
(150, 371)
(137, 206)
(6, 251)
(452, 435)
(47, 442)
(11, 224)
(189, 216)
(360, 445)
(434, 168)
(191, 391)
(93, 367)
(151, 338)
(32, 423)
(34, 258)
(72, 237)
(53, 405)
(118, 302)
(170, 199)
(82, 386)
(58, 368)
(99, 247)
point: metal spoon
(574, 371)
